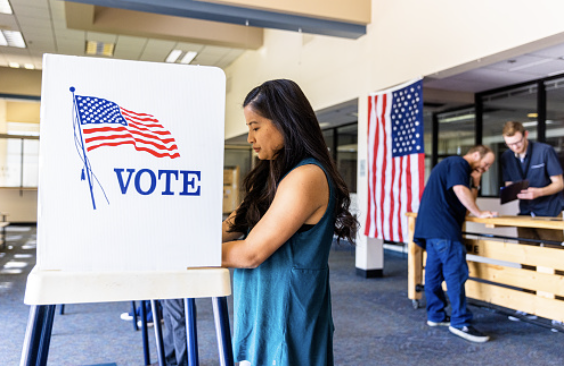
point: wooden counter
(546, 280)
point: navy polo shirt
(441, 214)
(541, 162)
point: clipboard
(509, 193)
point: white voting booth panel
(131, 182)
(148, 196)
(130, 193)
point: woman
(295, 201)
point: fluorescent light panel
(5, 7)
(11, 39)
(185, 57)
(458, 118)
(188, 57)
(15, 65)
(173, 55)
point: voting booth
(130, 187)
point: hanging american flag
(396, 160)
(104, 123)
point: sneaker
(557, 326)
(445, 322)
(469, 333)
(520, 315)
(126, 316)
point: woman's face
(263, 135)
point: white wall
(406, 39)
(19, 207)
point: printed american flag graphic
(104, 123)
(396, 160)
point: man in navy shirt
(539, 164)
(449, 194)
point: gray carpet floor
(375, 323)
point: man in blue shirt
(449, 194)
(539, 164)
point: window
(347, 147)
(513, 104)
(342, 143)
(555, 116)
(19, 153)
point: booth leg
(38, 335)
(191, 334)
(46, 335)
(158, 333)
(222, 330)
(134, 312)
(144, 333)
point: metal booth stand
(45, 289)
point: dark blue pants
(446, 260)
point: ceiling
(43, 25)
(513, 70)
(147, 30)
(54, 26)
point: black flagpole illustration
(87, 168)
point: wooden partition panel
(517, 253)
(517, 300)
(536, 289)
(520, 278)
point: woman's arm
(302, 197)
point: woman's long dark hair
(283, 102)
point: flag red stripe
(88, 131)
(392, 199)
(369, 213)
(143, 127)
(409, 181)
(421, 174)
(92, 140)
(400, 212)
(384, 160)
(374, 167)
(136, 113)
(138, 148)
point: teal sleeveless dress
(282, 308)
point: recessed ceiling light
(173, 56)
(100, 48)
(467, 116)
(188, 57)
(5, 7)
(15, 65)
(29, 66)
(12, 39)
